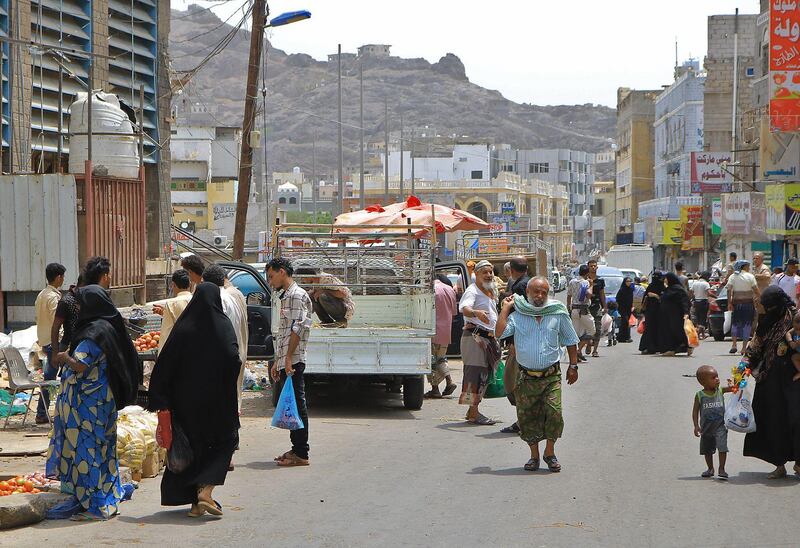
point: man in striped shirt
(540, 328)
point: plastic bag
(131, 446)
(286, 415)
(739, 415)
(180, 455)
(726, 325)
(691, 333)
(164, 429)
(496, 388)
(632, 320)
(640, 329)
(606, 323)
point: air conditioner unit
(220, 241)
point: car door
(257, 293)
(457, 272)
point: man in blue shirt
(540, 328)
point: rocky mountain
(302, 99)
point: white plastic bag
(606, 322)
(726, 324)
(739, 415)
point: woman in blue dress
(100, 375)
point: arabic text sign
(783, 209)
(736, 213)
(692, 222)
(716, 216)
(707, 172)
(669, 233)
(784, 65)
(492, 246)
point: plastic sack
(496, 388)
(606, 323)
(180, 455)
(7, 405)
(164, 429)
(726, 325)
(632, 320)
(286, 415)
(691, 333)
(739, 415)
(131, 446)
(640, 329)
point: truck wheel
(413, 392)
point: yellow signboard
(783, 209)
(669, 233)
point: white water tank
(112, 155)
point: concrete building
(634, 165)
(572, 169)
(678, 130)
(130, 40)
(602, 236)
(374, 50)
(718, 93)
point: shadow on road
(168, 517)
(486, 470)
(749, 478)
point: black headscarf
(672, 279)
(656, 284)
(625, 295)
(196, 373)
(100, 321)
(776, 304)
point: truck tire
(413, 392)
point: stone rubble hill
(302, 99)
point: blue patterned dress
(83, 448)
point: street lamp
(260, 12)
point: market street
(383, 476)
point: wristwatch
(573, 366)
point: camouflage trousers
(539, 407)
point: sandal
(449, 389)
(532, 465)
(513, 429)
(732, 350)
(482, 420)
(283, 457)
(293, 460)
(595, 354)
(214, 508)
(723, 475)
(433, 394)
(707, 474)
(86, 516)
(196, 512)
(552, 464)
(778, 473)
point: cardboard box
(151, 466)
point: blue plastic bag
(286, 415)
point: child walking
(708, 415)
(613, 311)
(793, 340)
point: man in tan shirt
(46, 304)
(172, 308)
(763, 276)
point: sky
(532, 51)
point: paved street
(383, 476)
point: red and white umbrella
(446, 219)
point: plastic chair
(19, 381)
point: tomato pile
(147, 342)
(32, 483)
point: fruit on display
(31, 483)
(147, 342)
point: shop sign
(692, 224)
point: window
(598, 208)
(281, 200)
(508, 167)
(478, 174)
(563, 165)
(293, 200)
(542, 167)
(462, 160)
(188, 185)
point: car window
(613, 283)
(245, 282)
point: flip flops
(449, 389)
(552, 464)
(482, 420)
(532, 465)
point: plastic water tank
(112, 155)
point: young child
(613, 311)
(708, 415)
(793, 340)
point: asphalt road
(383, 476)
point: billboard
(668, 233)
(692, 223)
(707, 173)
(716, 216)
(783, 209)
(744, 213)
(784, 66)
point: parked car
(716, 315)
(631, 273)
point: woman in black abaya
(195, 379)
(674, 310)
(648, 344)
(776, 402)
(625, 305)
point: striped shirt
(296, 310)
(539, 345)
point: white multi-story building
(678, 130)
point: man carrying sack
(543, 326)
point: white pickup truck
(388, 340)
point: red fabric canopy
(446, 218)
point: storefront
(783, 220)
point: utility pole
(402, 190)
(362, 199)
(314, 174)
(246, 156)
(339, 209)
(413, 134)
(386, 151)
